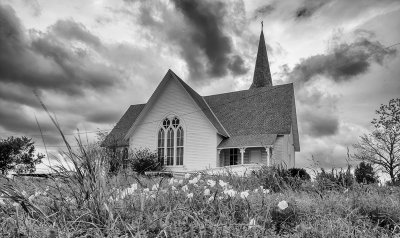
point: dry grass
(89, 203)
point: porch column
(268, 150)
(242, 150)
(219, 158)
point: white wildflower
(230, 192)
(252, 223)
(210, 199)
(211, 183)
(171, 181)
(190, 195)
(244, 194)
(187, 176)
(173, 188)
(194, 180)
(185, 188)
(134, 186)
(2, 201)
(155, 187)
(146, 190)
(181, 181)
(220, 197)
(265, 191)
(198, 176)
(283, 205)
(15, 204)
(222, 183)
(256, 190)
(207, 192)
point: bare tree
(382, 146)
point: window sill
(174, 166)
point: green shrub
(365, 173)
(144, 160)
(300, 173)
(334, 179)
(277, 178)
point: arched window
(161, 146)
(170, 147)
(179, 146)
(170, 142)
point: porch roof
(260, 140)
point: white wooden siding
(200, 136)
(283, 151)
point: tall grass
(89, 202)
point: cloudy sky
(90, 60)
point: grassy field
(89, 204)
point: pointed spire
(262, 73)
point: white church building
(192, 132)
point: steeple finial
(262, 73)
(262, 26)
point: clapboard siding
(200, 135)
(283, 151)
(278, 150)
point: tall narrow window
(170, 142)
(233, 156)
(170, 147)
(179, 146)
(161, 146)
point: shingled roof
(251, 117)
(259, 111)
(116, 137)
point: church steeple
(262, 74)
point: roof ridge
(250, 89)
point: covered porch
(245, 150)
(245, 156)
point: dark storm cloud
(69, 29)
(14, 118)
(206, 19)
(105, 116)
(317, 124)
(317, 112)
(309, 7)
(45, 62)
(197, 34)
(264, 10)
(345, 62)
(237, 65)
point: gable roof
(250, 117)
(204, 107)
(258, 111)
(195, 96)
(116, 137)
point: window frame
(171, 125)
